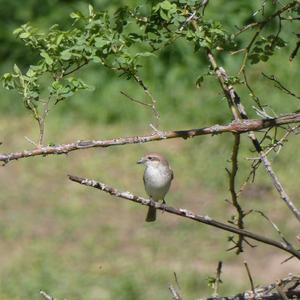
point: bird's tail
(151, 215)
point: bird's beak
(141, 161)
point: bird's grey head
(153, 159)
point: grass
(77, 243)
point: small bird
(157, 179)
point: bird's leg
(164, 205)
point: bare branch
(234, 194)
(250, 277)
(295, 51)
(218, 279)
(136, 101)
(149, 94)
(183, 213)
(42, 120)
(272, 223)
(175, 294)
(280, 86)
(239, 126)
(46, 296)
(238, 111)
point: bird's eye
(150, 157)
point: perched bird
(157, 179)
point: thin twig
(46, 296)
(272, 223)
(252, 93)
(250, 278)
(42, 120)
(149, 94)
(218, 279)
(295, 51)
(75, 69)
(30, 141)
(136, 101)
(176, 280)
(239, 126)
(280, 86)
(183, 213)
(175, 294)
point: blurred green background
(77, 243)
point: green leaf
(166, 5)
(101, 42)
(30, 73)
(91, 10)
(48, 59)
(199, 81)
(76, 15)
(66, 54)
(24, 35)
(17, 70)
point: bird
(157, 180)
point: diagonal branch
(238, 109)
(184, 213)
(238, 126)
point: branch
(46, 296)
(234, 195)
(280, 86)
(175, 294)
(238, 112)
(269, 292)
(183, 213)
(239, 126)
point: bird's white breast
(157, 181)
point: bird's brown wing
(172, 174)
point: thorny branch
(149, 94)
(218, 278)
(234, 195)
(184, 213)
(238, 111)
(280, 86)
(238, 126)
(250, 277)
(289, 285)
